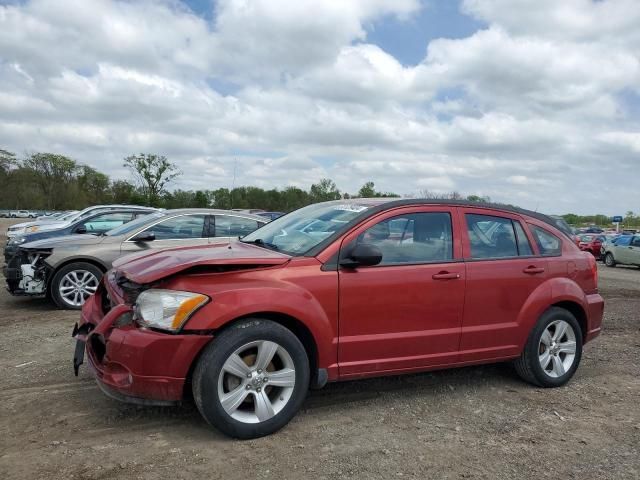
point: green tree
(53, 174)
(7, 161)
(324, 190)
(367, 190)
(152, 173)
(478, 199)
(124, 192)
(93, 186)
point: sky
(530, 102)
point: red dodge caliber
(340, 290)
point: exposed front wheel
(73, 284)
(609, 261)
(252, 379)
(553, 350)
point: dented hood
(152, 266)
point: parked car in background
(22, 214)
(270, 215)
(385, 287)
(591, 243)
(23, 275)
(47, 224)
(69, 268)
(51, 215)
(625, 251)
(4, 213)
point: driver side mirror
(144, 237)
(362, 255)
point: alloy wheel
(256, 381)
(76, 286)
(557, 348)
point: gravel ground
(476, 422)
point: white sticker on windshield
(350, 207)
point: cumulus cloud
(528, 109)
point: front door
(406, 312)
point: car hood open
(149, 267)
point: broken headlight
(167, 309)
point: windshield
(67, 216)
(134, 224)
(300, 231)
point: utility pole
(233, 184)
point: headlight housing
(167, 309)
(32, 229)
(17, 240)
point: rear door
(502, 272)
(406, 312)
(621, 250)
(634, 251)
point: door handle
(533, 270)
(445, 276)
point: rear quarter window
(547, 242)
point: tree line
(49, 181)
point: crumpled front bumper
(130, 363)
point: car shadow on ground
(346, 395)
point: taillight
(594, 270)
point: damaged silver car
(68, 269)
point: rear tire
(251, 379)
(553, 350)
(609, 261)
(73, 283)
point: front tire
(252, 379)
(553, 350)
(73, 284)
(609, 261)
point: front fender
(242, 296)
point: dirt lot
(479, 422)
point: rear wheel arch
(578, 312)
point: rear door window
(179, 228)
(492, 237)
(547, 242)
(232, 226)
(524, 247)
(623, 241)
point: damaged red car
(335, 291)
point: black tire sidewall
(611, 262)
(208, 370)
(54, 290)
(548, 317)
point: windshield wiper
(262, 243)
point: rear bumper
(134, 364)
(595, 312)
